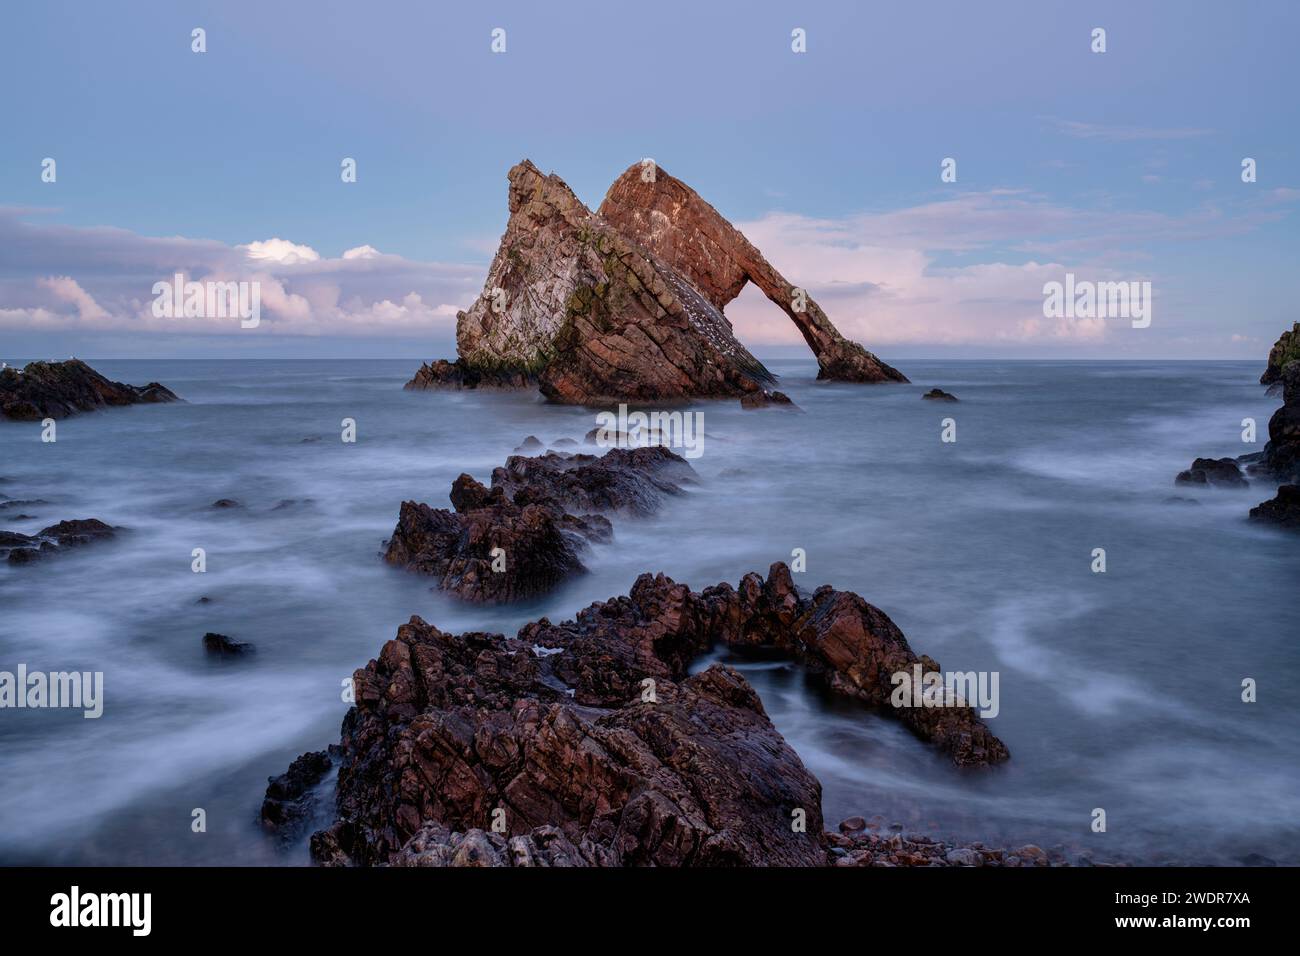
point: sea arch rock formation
(625, 306)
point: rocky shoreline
(58, 389)
(590, 742)
(1279, 462)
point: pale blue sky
(1117, 165)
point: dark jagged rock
(627, 304)
(1281, 458)
(524, 535)
(628, 480)
(767, 398)
(1224, 472)
(1285, 351)
(78, 531)
(222, 504)
(462, 374)
(1282, 510)
(58, 389)
(218, 645)
(23, 549)
(587, 743)
(493, 551)
(671, 220)
(290, 798)
(939, 395)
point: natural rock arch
(674, 222)
(626, 304)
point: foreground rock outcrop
(525, 534)
(626, 304)
(59, 389)
(589, 742)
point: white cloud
(281, 250)
(101, 279)
(898, 277)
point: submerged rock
(24, 549)
(1224, 472)
(939, 395)
(587, 743)
(626, 304)
(218, 645)
(58, 389)
(530, 446)
(766, 398)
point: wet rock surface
(939, 395)
(1280, 459)
(525, 534)
(1224, 472)
(24, 549)
(767, 398)
(587, 742)
(462, 374)
(622, 480)
(290, 802)
(59, 389)
(1282, 510)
